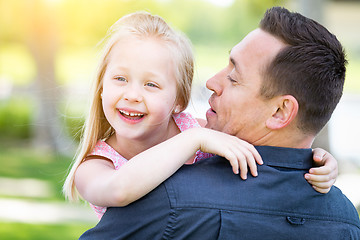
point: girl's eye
(121, 79)
(150, 84)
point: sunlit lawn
(24, 162)
(21, 161)
(20, 231)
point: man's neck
(277, 139)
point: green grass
(15, 117)
(19, 231)
(20, 161)
(24, 162)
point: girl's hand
(241, 154)
(323, 177)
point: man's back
(207, 201)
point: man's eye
(231, 79)
(121, 79)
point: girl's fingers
(233, 161)
(318, 178)
(323, 185)
(321, 190)
(252, 165)
(257, 155)
(241, 155)
(249, 147)
(324, 170)
(319, 154)
(246, 160)
(243, 167)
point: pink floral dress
(183, 120)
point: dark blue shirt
(207, 201)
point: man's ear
(285, 111)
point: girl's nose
(133, 94)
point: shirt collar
(286, 157)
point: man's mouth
(131, 115)
(211, 108)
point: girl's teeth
(131, 114)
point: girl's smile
(131, 117)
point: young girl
(142, 86)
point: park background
(48, 57)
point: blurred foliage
(15, 118)
(13, 56)
(84, 22)
(41, 231)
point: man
(281, 85)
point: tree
(42, 42)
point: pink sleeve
(202, 155)
(186, 121)
(103, 149)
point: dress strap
(185, 121)
(105, 150)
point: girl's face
(139, 88)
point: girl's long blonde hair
(139, 24)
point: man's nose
(215, 83)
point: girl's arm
(100, 184)
(323, 177)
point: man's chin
(210, 124)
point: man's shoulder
(211, 184)
(341, 207)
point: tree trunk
(48, 132)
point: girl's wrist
(193, 138)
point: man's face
(236, 106)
